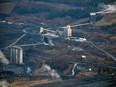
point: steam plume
(3, 59)
(109, 8)
(52, 72)
(3, 83)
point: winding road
(73, 69)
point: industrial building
(92, 17)
(41, 30)
(16, 55)
(67, 32)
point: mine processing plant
(17, 51)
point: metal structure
(92, 17)
(41, 30)
(108, 10)
(66, 32)
(17, 51)
(48, 40)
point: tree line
(79, 2)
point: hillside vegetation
(79, 2)
(60, 8)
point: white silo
(16, 55)
(67, 31)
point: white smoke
(108, 8)
(3, 83)
(3, 59)
(52, 72)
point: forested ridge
(79, 2)
(53, 10)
